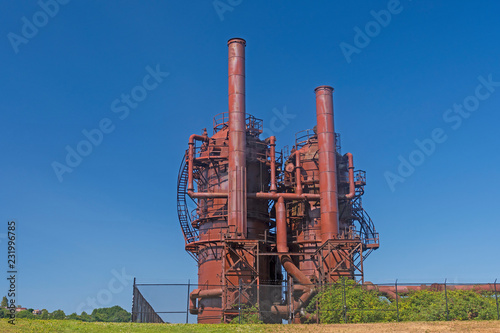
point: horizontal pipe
(207, 195)
(206, 293)
(197, 293)
(390, 291)
(286, 196)
(258, 195)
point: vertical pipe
(352, 187)
(281, 235)
(191, 153)
(327, 163)
(190, 166)
(237, 215)
(272, 143)
(298, 170)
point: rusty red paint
(238, 178)
(327, 163)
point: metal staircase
(368, 234)
(190, 234)
(366, 227)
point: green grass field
(42, 326)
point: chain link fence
(341, 302)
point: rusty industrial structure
(265, 217)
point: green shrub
(249, 315)
(424, 305)
(361, 305)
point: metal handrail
(253, 125)
(190, 234)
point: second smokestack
(327, 163)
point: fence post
(317, 311)
(290, 300)
(257, 305)
(446, 297)
(134, 303)
(397, 302)
(344, 299)
(496, 299)
(239, 301)
(187, 308)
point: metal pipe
(392, 291)
(294, 271)
(207, 195)
(192, 139)
(296, 305)
(193, 308)
(210, 293)
(197, 293)
(352, 188)
(281, 234)
(286, 260)
(286, 196)
(272, 144)
(257, 195)
(237, 214)
(327, 163)
(298, 180)
(282, 244)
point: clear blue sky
(116, 210)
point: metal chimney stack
(237, 211)
(327, 163)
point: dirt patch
(412, 327)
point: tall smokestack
(237, 201)
(327, 163)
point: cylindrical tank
(212, 218)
